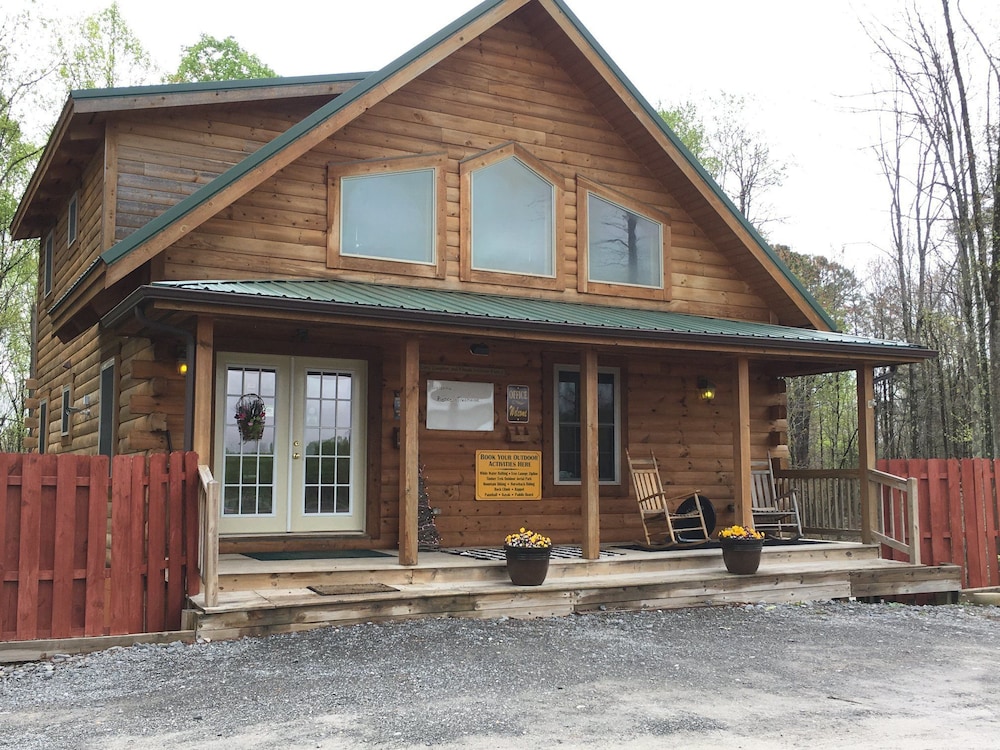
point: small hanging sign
(517, 403)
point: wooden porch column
(589, 470)
(409, 416)
(741, 443)
(204, 370)
(866, 450)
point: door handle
(296, 455)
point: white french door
(307, 470)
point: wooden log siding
(692, 440)
(503, 86)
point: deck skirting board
(483, 590)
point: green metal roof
(498, 312)
(322, 114)
(164, 89)
(300, 129)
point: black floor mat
(316, 554)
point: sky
(804, 67)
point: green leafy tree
(686, 121)
(822, 413)
(18, 260)
(104, 53)
(737, 157)
(212, 59)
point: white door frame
(285, 451)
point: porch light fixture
(706, 389)
(182, 367)
(480, 349)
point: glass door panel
(250, 486)
(330, 465)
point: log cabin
(486, 270)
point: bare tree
(953, 188)
(746, 168)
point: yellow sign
(508, 475)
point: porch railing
(208, 534)
(831, 507)
(896, 517)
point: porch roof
(449, 307)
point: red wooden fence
(959, 513)
(65, 571)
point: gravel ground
(755, 676)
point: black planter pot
(741, 556)
(527, 566)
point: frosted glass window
(388, 216)
(513, 220)
(625, 248)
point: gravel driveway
(756, 676)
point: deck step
(578, 590)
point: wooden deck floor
(260, 597)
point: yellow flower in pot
(741, 549)
(527, 554)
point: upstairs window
(47, 253)
(622, 244)
(72, 219)
(387, 216)
(511, 220)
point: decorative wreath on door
(250, 414)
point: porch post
(742, 496)
(204, 342)
(866, 451)
(589, 470)
(409, 415)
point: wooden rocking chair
(775, 512)
(655, 506)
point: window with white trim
(43, 425)
(65, 414)
(47, 260)
(72, 219)
(567, 428)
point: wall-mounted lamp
(395, 404)
(84, 410)
(480, 349)
(182, 367)
(706, 389)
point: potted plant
(250, 414)
(741, 548)
(527, 554)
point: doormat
(315, 554)
(565, 552)
(714, 544)
(340, 589)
